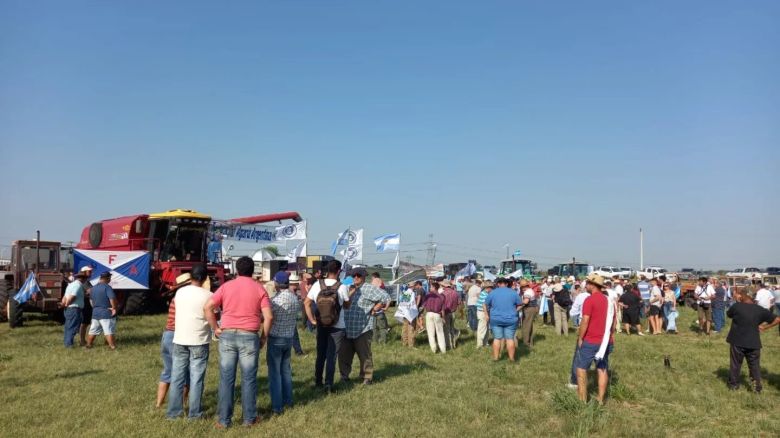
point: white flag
(295, 231)
(354, 251)
(298, 251)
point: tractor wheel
(136, 303)
(4, 297)
(15, 313)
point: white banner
(295, 231)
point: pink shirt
(241, 301)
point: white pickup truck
(611, 272)
(745, 272)
(654, 271)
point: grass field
(46, 390)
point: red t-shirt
(595, 306)
(242, 301)
(170, 323)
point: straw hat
(183, 279)
(445, 283)
(596, 280)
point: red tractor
(175, 240)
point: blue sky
(557, 127)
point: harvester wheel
(15, 313)
(136, 303)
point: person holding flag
(28, 291)
(595, 340)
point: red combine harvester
(176, 241)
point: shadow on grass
(138, 339)
(305, 393)
(74, 374)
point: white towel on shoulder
(608, 329)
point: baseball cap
(282, 277)
(358, 272)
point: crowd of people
(347, 313)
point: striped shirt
(481, 299)
(170, 324)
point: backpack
(563, 298)
(328, 305)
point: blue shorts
(504, 331)
(586, 355)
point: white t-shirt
(473, 295)
(613, 295)
(704, 294)
(764, 298)
(343, 296)
(191, 325)
(656, 297)
(619, 290)
(576, 308)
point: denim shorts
(102, 327)
(503, 331)
(166, 353)
(586, 355)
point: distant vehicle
(611, 272)
(578, 270)
(745, 272)
(509, 266)
(652, 272)
(490, 268)
(378, 266)
(688, 270)
(772, 270)
(43, 259)
(627, 272)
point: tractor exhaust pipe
(37, 251)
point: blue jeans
(718, 318)
(237, 348)
(503, 330)
(573, 376)
(72, 324)
(472, 317)
(189, 364)
(296, 343)
(279, 372)
(328, 346)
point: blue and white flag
(341, 239)
(129, 269)
(354, 250)
(388, 242)
(29, 288)
(467, 271)
(298, 251)
(487, 275)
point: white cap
(86, 269)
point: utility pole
(641, 250)
(506, 246)
(431, 250)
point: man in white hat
(595, 339)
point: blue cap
(282, 277)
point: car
(773, 270)
(611, 272)
(651, 272)
(626, 272)
(745, 272)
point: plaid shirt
(285, 307)
(358, 318)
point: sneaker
(571, 386)
(640, 333)
(368, 382)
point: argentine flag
(388, 242)
(29, 288)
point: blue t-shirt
(502, 304)
(101, 296)
(77, 290)
(644, 290)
